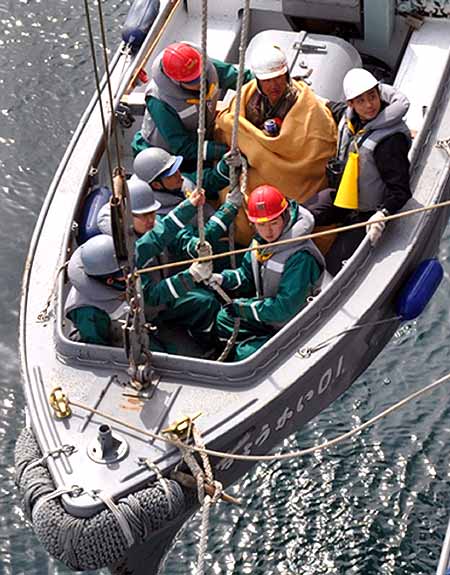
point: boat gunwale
(241, 374)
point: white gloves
(233, 159)
(235, 196)
(202, 271)
(374, 231)
(215, 279)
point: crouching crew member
(161, 171)
(96, 300)
(281, 277)
(371, 128)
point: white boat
(91, 496)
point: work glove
(233, 159)
(374, 231)
(235, 196)
(215, 279)
(201, 271)
(231, 310)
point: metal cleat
(181, 428)
(59, 401)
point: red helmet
(182, 62)
(266, 203)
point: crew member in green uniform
(172, 103)
(96, 301)
(280, 278)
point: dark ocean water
(378, 504)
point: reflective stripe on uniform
(253, 308)
(178, 222)
(172, 289)
(277, 267)
(187, 112)
(219, 222)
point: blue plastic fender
(419, 289)
(140, 18)
(96, 199)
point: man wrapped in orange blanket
(285, 131)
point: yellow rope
(301, 238)
(280, 456)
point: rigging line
(280, 456)
(99, 91)
(108, 80)
(306, 352)
(202, 119)
(235, 128)
(239, 84)
(314, 235)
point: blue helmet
(98, 256)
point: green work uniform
(177, 298)
(180, 140)
(260, 317)
(93, 325)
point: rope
(64, 449)
(280, 456)
(163, 482)
(108, 80)
(202, 120)
(43, 316)
(120, 517)
(235, 128)
(314, 235)
(75, 491)
(308, 351)
(207, 501)
(99, 91)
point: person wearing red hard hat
(372, 130)
(279, 278)
(172, 103)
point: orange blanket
(295, 160)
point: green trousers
(196, 312)
(251, 335)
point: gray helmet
(142, 197)
(98, 256)
(155, 162)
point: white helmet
(154, 163)
(357, 81)
(269, 62)
(142, 197)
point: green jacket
(181, 141)
(301, 271)
(181, 242)
(93, 325)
